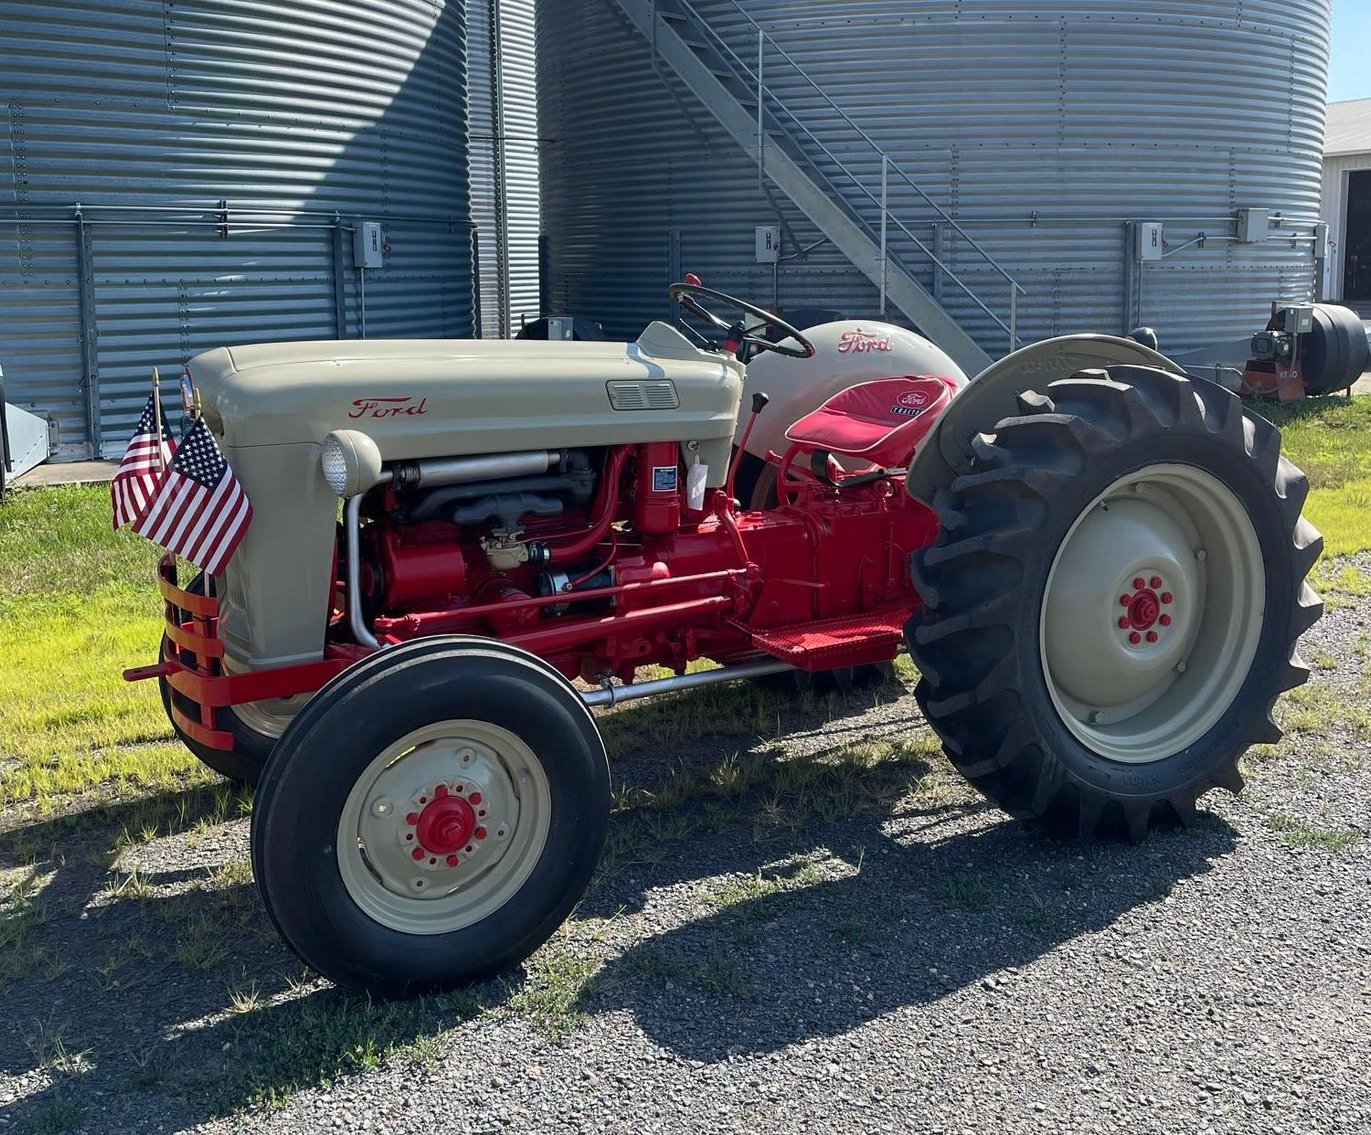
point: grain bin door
(1356, 261)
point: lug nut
(1135, 638)
(417, 853)
(1123, 600)
(1167, 597)
(441, 790)
(412, 818)
(475, 798)
(1155, 581)
(1151, 636)
(452, 861)
(480, 833)
(1165, 620)
(1138, 584)
(1123, 622)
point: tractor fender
(946, 453)
(846, 352)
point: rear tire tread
(964, 640)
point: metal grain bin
(190, 175)
(1022, 140)
(503, 171)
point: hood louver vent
(656, 395)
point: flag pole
(157, 414)
(161, 444)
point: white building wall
(1334, 210)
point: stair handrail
(746, 73)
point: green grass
(967, 890)
(776, 790)
(1330, 439)
(1308, 711)
(1300, 833)
(78, 604)
(556, 978)
(314, 1042)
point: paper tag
(695, 487)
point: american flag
(135, 481)
(200, 510)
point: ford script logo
(388, 407)
(859, 342)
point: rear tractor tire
(255, 726)
(1114, 601)
(431, 816)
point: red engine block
(820, 581)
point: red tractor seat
(879, 421)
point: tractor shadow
(161, 989)
(916, 918)
(844, 875)
(853, 878)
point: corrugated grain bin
(1039, 131)
(222, 153)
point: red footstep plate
(849, 640)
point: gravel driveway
(903, 960)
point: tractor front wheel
(431, 816)
(1114, 601)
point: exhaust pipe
(433, 472)
(617, 695)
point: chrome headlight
(188, 396)
(350, 461)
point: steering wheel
(740, 336)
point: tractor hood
(421, 398)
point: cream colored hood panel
(422, 398)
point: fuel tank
(845, 353)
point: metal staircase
(854, 215)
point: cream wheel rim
(269, 717)
(1152, 613)
(443, 827)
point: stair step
(847, 640)
(798, 173)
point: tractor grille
(656, 395)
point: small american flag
(200, 510)
(135, 481)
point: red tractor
(460, 548)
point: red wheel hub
(446, 824)
(1143, 610)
